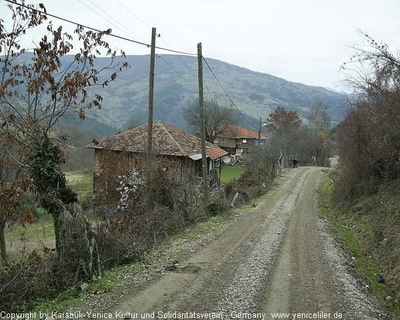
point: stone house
(177, 153)
(237, 140)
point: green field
(81, 182)
(24, 239)
(229, 173)
(40, 234)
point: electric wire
(126, 31)
(98, 30)
(134, 15)
(129, 33)
(132, 41)
(162, 39)
(179, 74)
(226, 93)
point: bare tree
(36, 90)
(369, 136)
(282, 125)
(319, 119)
(373, 69)
(216, 118)
(319, 124)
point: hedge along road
(278, 259)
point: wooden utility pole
(259, 134)
(202, 123)
(151, 103)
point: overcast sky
(299, 40)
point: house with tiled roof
(177, 152)
(238, 140)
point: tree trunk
(57, 232)
(73, 234)
(3, 241)
(3, 252)
(76, 243)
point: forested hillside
(80, 133)
(255, 94)
(125, 102)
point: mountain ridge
(254, 93)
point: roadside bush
(254, 182)
(369, 136)
(217, 204)
(155, 211)
(230, 189)
(28, 280)
(260, 174)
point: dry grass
(40, 234)
(21, 239)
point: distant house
(238, 140)
(177, 152)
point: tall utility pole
(202, 123)
(151, 103)
(259, 133)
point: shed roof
(167, 140)
(237, 132)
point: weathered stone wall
(108, 165)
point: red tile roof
(167, 140)
(233, 131)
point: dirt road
(277, 259)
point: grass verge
(41, 233)
(229, 173)
(370, 233)
(73, 296)
(171, 249)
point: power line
(179, 57)
(226, 93)
(97, 30)
(147, 25)
(165, 60)
(129, 10)
(129, 33)
(130, 40)
(162, 39)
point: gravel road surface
(276, 262)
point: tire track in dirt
(301, 280)
(305, 279)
